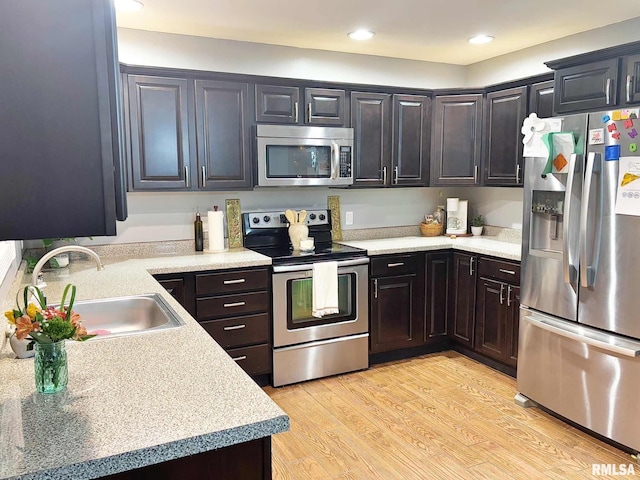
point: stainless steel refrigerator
(579, 337)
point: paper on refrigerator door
(533, 144)
(628, 196)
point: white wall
(10, 256)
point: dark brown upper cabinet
(587, 87)
(223, 132)
(160, 151)
(371, 122)
(456, 145)
(541, 99)
(281, 104)
(411, 140)
(504, 113)
(59, 110)
(631, 90)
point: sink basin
(110, 317)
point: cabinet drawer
(231, 305)
(506, 271)
(239, 331)
(229, 282)
(394, 265)
(255, 360)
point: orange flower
(24, 327)
(75, 319)
(80, 332)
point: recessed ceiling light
(128, 5)
(481, 39)
(361, 34)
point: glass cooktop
(321, 253)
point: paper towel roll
(452, 204)
(216, 231)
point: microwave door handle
(335, 160)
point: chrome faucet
(67, 248)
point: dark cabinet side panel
(504, 113)
(586, 87)
(370, 119)
(541, 99)
(159, 123)
(513, 322)
(223, 132)
(411, 140)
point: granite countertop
(483, 244)
(134, 400)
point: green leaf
(41, 299)
(40, 337)
(86, 337)
(47, 242)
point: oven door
(292, 304)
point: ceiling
(426, 30)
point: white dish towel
(325, 289)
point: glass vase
(50, 366)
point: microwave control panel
(345, 162)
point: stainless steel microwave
(304, 156)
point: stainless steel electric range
(306, 347)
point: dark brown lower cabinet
(244, 461)
(436, 295)
(463, 298)
(513, 321)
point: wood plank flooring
(439, 416)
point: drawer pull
(234, 327)
(240, 358)
(391, 265)
(510, 272)
(234, 304)
(232, 282)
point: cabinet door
(631, 90)
(411, 135)
(371, 122)
(325, 106)
(504, 113)
(277, 104)
(541, 99)
(58, 110)
(457, 140)
(396, 317)
(513, 322)
(463, 298)
(159, 122)
(437, 295)
(491, 319)
(223, 135)
(586, 87)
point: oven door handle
(308, 266)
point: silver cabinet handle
(309, 112)
(237, 359)
(375, 288)
(235, 304)
(570, 271)
(471, 262)
(518, 173)
(395, 175)
(187, 180)
(234, 327)
(295, 112)
(510, 272)
(384, 175)
(588, 270)
(629, 87)
(233, 282)
(475, 173)
(391, 265)
(607, 93)
(508, 295)
(501, 293)
(203, 169)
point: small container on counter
(198, 233)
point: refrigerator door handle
(604, 341)
(588, 270)
(570, 271)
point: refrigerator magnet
(612, 153)
(596, 136)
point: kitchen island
(135, 400)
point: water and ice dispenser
(546, 221)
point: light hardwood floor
(440, 416)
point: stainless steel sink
(127, 315)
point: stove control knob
(283, 219)
(312, 216)
(267, 218)
(255, 220)
(322, 216)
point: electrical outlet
(348, 218)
